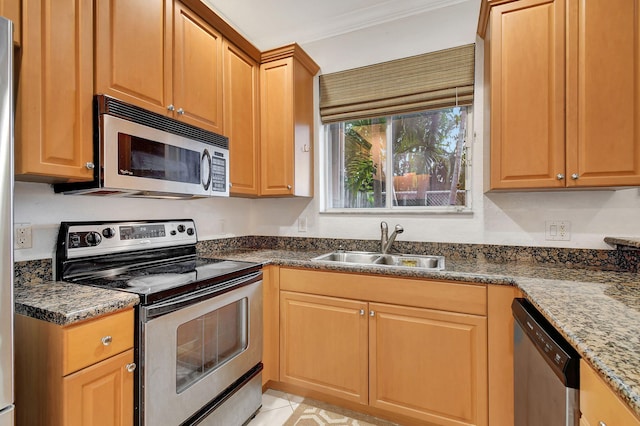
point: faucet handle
(384, 226)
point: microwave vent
(115, 107)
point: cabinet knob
(106, 340)
(180, 111)
(171, 107)
(575, 176)
(362, 312)
(89, 165)
(601, 423)
(288, 186)
(560, 176)
(372, 313)
(131, 367)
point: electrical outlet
(302, 224)
(558, 230)
(22, 236)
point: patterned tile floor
(277, 407)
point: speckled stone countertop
(65, 303)
(598, 312)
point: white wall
(504, 218)
(37, 205)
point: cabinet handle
(560, 176)
(89, 165)
(372, 313)
(131, 367)
(106, 340)
(180, 111)
(575, 176)
(171, 107)
(288, 186)
(362, 312)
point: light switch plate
(557, 230)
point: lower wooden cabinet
(323, 344)
(101, 394)
(598, 404)
(80, 374)
(418, 362)
(428, 364)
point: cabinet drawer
(83, 343)
(441, 295)
(598, 402)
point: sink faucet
(385, 240)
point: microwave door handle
(169, 306)
(205, 165)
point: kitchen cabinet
(598, 404)
(54, 120)
(562, 114)
(287, 122)
(270, 323)
(10, 9)
(241, 108)
(413, 349)
(168, 61)
(80, 374)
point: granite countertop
(598, 312)
(66, 303)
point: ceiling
(273, 23)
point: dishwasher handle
(556, 351)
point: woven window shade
(431, 81)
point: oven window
(207, 342)
(145, 158)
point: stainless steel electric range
(198, 340)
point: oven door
(196, 346)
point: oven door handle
(172, 305)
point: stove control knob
(108, 232)
(190, 231)
(181, 228)
(93, 238)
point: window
(412, 161)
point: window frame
(389, 207)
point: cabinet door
(323, 344)
(101, 394)
(427, 364)
(133, 52)
(54, 121)
(598, 404)
(241, 119)
(270, 322)
(276, 136)
(527, 94)
(603, 121)
(197, 76)
(10, 9)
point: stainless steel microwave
(138, 153)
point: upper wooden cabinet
(169, 60)
(241, 118)
(287, 122)
(10, 9)
(54, 121)
(564, 105)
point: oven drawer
(90, 342)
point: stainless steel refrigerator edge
(6, 223)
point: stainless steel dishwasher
(546, 371)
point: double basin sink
(431, 263)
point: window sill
(404, 211)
